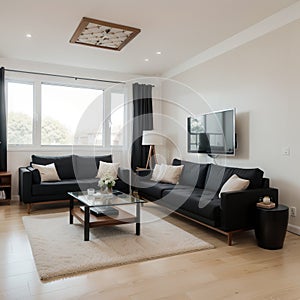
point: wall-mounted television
(212, 133)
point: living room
(240, 54)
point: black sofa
(196, 196)
(76, 173)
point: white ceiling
(180, 29)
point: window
(20, 113)
(48, 114)
(117, 119)
(71, 115)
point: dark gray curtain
(3, 139)
(142, 120)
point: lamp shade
(151, 137)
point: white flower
(107, 180)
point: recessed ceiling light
(28, 35)
(146, 59)
(158, 52)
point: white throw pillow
(108, 169)
(167, 173)
(47, 172)
(233, 184)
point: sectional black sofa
(196, 196)
(76, 173)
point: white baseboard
(294, 229)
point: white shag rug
(59, 250)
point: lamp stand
(151, 153)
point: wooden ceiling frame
(83, 26)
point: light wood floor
(242, 271)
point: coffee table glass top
(100, 199)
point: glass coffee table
(111, 214)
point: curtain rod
(64, 76)
(152, 85)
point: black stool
(270, 226)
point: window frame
(37, 110)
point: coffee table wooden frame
(89, 221)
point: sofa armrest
(25, 183)
(123, 183)
(238, 208)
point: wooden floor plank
(242, 271)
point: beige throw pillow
(166, 173)
(47, 172)
(234, 183)
(108, 169)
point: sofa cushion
(166, 173)
(63, 164)
(47, 172)
(170, 198)
(218, 175)
(210, 211)
(62, 187)
(87, 166)
(233, 184)
(214, 178)
(192, 202)
(153, 188)
(193, 174)
(254, 175)
(108, 169)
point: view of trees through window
(65, 115)
(62, 109)
(20, 113)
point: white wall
(260, 79)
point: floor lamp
(151, 138)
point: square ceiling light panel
(96, 33)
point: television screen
(212, 133)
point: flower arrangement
(107, 181)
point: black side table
(270, 226)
